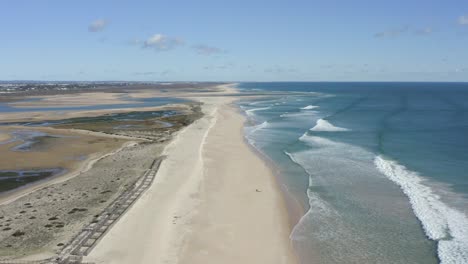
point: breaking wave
(324, 125)
(250, 112)
(309, 107)
(440, 222)
(299, 114)
(258, 127)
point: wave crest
(440, 222)
(250, 112)
(324, 125)
(309, 107)
(299, 114)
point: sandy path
(203, 206)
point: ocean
(380, 169)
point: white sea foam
(324, 125)
(309, 107)
(299, 114)
(441, 223)
(250, 112)
(259, 127)
(252, 130)
(265, 101)
(313, 140)
(293, 159)
(318, 207)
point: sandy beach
(213, 201)
(98, 163)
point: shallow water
(120, 117)
(28, 139)
(144, 102)
(380, 166)
(13, 179)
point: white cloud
(162, 42)
(207, 50)
(463, 20)
(98, 25)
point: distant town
(29, 86)
(9, 89)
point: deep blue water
(382, 168)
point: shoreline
(203, 206)
(294, 207)
(295, 210)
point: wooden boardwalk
(90, 235)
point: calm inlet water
(133, 103)
(381, 169)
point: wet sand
(72, 151)
(58, 148)
(4, 136)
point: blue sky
(208, 40)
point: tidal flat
(68, 170)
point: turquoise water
(381, 169)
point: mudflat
(97, 157)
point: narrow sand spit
(213, 201)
